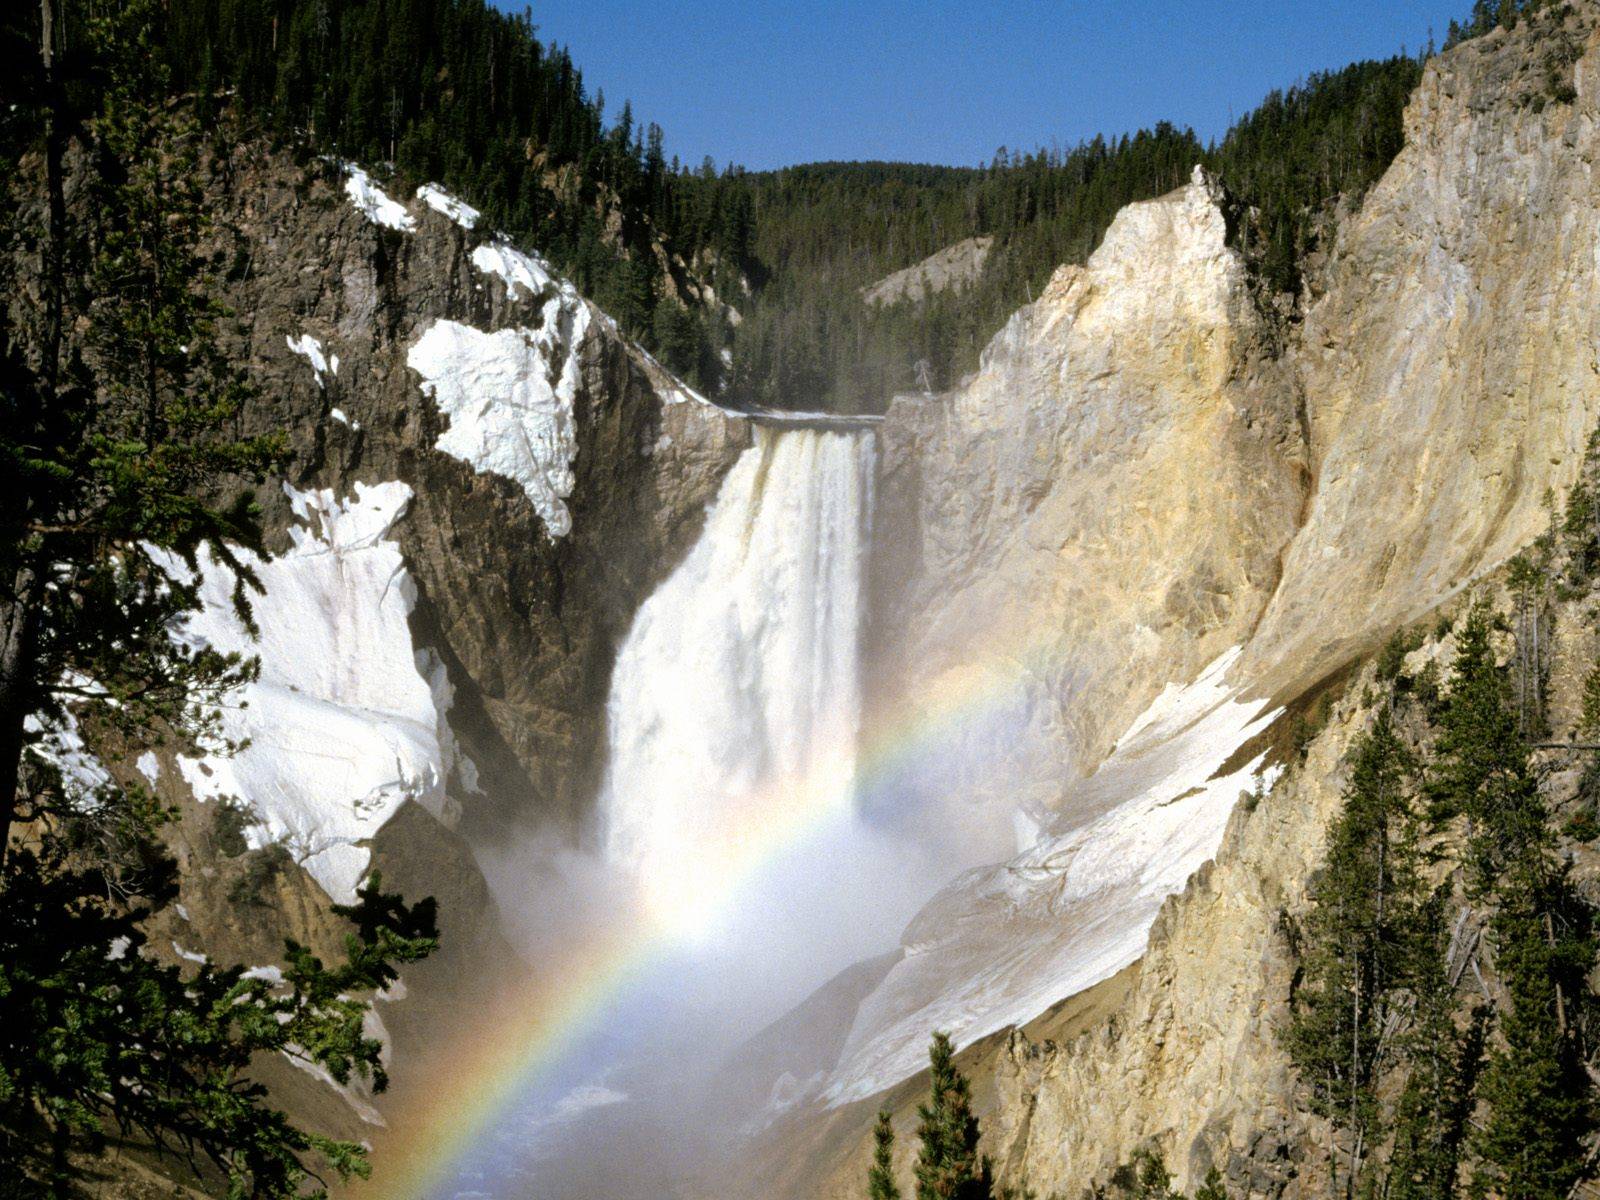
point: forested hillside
(461, 93)
(822, 232)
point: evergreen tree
(1589, 718)
(949, 1166)
(120, 410)
(1212, 1187)
(1430, 1120)
(880, 1179)
(1364, 906)
(1480, 769)
(1534, 1144)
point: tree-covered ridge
(461, 93)
(1442, 1019)
(458, 92)
(824, 231)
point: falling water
(728, 807)
(736, 696)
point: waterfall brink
(735, 701)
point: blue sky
(766, 84)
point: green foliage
(262, 868)
(1212, 1187)
(1589, 719)
(456, 91)
(1392, 658)
(1357, 938)
(459, 92)
(949, 1166)
(1430, 1096)
(880, 1179)
(229, 820)
(1307, 723)
(1431, 1116)
(120, 438)
(1307, 148)
(1580, 522)
(1534, 1145)
(1478, 737)
(1145, 1177)
(98, 1037)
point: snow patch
(509, 399)
(441, 201)
(1001, 944)
(149, 766)
(342, 727)
(61, 745)
(189, 955)
(518, 270)
(310, 349)
(370, 199)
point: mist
(740, 848)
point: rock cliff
(1156, 518)
(485, 480)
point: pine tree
(1364, 903)
(1589, 720)
(949, 1166)
(1534, 1143)
(1212, 1187)
(1480, 769)
(1430, 1120)
(880, 1178)
(120, 409)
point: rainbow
(523, 1036)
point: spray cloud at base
(729, 865)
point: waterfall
(735, 700)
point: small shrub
(261, 870)
(228, 823)
(1582, 827)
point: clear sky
(766, 82)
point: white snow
(431, 667)
(61, 745)
(1001, 944)
(149, 766)
(370, 199)
(509, 399)
(310, 349)
(182, 911)
(441, 201)
(339, 415)
(273, 975)
(189, 955)
(342, 727)
(518, 270)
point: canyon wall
(1169, 519)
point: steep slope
(952, 269)
(485, 480)
(1165, 487)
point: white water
(736, 696)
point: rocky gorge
(1117, 596)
